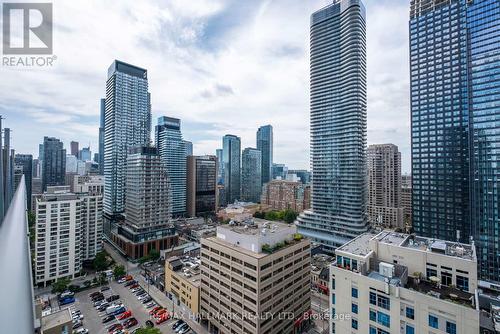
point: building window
(373, 330)
(451, 328)
(384, 319)
(354, 308)
(354, 264)
(384, 302)
(431, 273)
(433, 321)
(373, 315)
(410, 329)
(333, 283)
(354, 292)
(463, 283)
(354, 323)
(373, 298)
(446, 278)
(333, 298)
(410, 312)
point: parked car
(134, 285)
(81, 331)
(121, 280)
(114, 328)
(124, 315)
(129, 283)
(78, 316)
(94, 294)
(112, 298)
(77, 324)
(150, 304)
(99, 303)
(103, 307)
(159, 313)
(112, 308)
(147, 300)
(76, 312)
(177, 324)
(140, 292)
(130, 323)
(120, 311)
(182, 328)
(108, 318)
(66, 301)
(105, 288)
(129, 278)
(156, 309)
(149, 324)
(162, 319)
(143, 296)
(97, 298)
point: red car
(164, 317)
(128, 278)
(130, 322)
(160, 313)
(133, 286)
(124, 315)
(114, 327)
(156, 309)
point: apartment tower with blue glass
(265, 146)
(127, 124)
(251, 169)
(173, 154)
(455, 110)
(338, 125)
(231, 172)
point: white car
(82, 331)
(77, 316)
(144, 296)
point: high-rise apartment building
(259, 274)
(54, 163)
(338, 125)
(8, 170)
(74, 147)
(265, 146)
(283, 195)
(251, 175)
(454, 53)
(172, 150)
(68, 231)
(231, 160)
(202, 194)
(127, 123)
(406, 190)
(220, 164)
(188, 147)
(102, 121)
(148, 208)
(384, 185)
(399, 283)
(25, 161)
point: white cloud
(234, 65)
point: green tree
(148, 331)
(154, 255)
(289, 216)
(100, 262)
(60, 285)
(119, 271)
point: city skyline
(217, 86)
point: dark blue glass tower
(455, 107)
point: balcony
(16, 281)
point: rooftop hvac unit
(386, 269)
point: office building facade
(338, 125)
(384, 185)
(75, 151)
(231, 160)
(202, 194)
(54, 163)
(266, 289)
(127, 123)
(172, 150)
(265, 146)
(251, 175)
(454, 66)
(102, 122)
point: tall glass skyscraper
(265, 145)
(172, 151)
(54, 163)
(101, 136)
(231, 172)
(338, 125)
(127, 124)
(455, 107)
(251, 169)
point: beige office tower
(384, 185)
(255, 278)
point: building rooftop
(359, 245)
(56, 319)
(188, 267)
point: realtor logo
(27, 28)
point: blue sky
(221, 66)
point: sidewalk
(181, 312)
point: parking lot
(93, 318)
